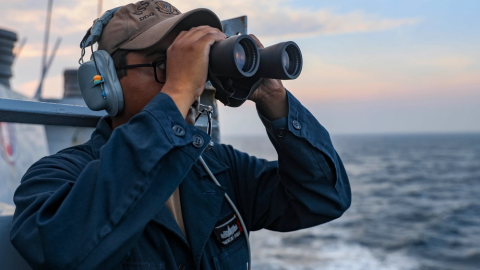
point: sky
(377, 66)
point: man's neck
(119, 120)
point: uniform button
(197, 140)
(178, 130)
(181, 267)
(281, 132)
(296, 124)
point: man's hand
(187, 65)
(270, 97)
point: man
(135, 195)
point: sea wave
(415, 206)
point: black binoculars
(239, 57)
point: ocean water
(416, 205)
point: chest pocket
(234, 258)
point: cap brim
(172, 27)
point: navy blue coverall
(101, 205)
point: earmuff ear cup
(92, 94)
(110, 98)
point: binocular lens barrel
(239, 57)
(280, 61)
(295, 57)
(236, 57)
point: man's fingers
(212, 37)
(197, 32)
(207, 33)
(259, 44)
(187, 34)
(198, 37)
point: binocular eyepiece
(239, 57)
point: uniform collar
(100, 136)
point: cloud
(415, 74)
(283, 19)
(304, 23)
(52, 87)
(447, 62)
(76, 17)
(36, 50)
(268, 18)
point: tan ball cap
(145, 23)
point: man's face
(139, 85)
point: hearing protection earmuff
(99, 84)
(97, 78)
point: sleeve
(90, 219)
(308, 184)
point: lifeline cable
(208, 110)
